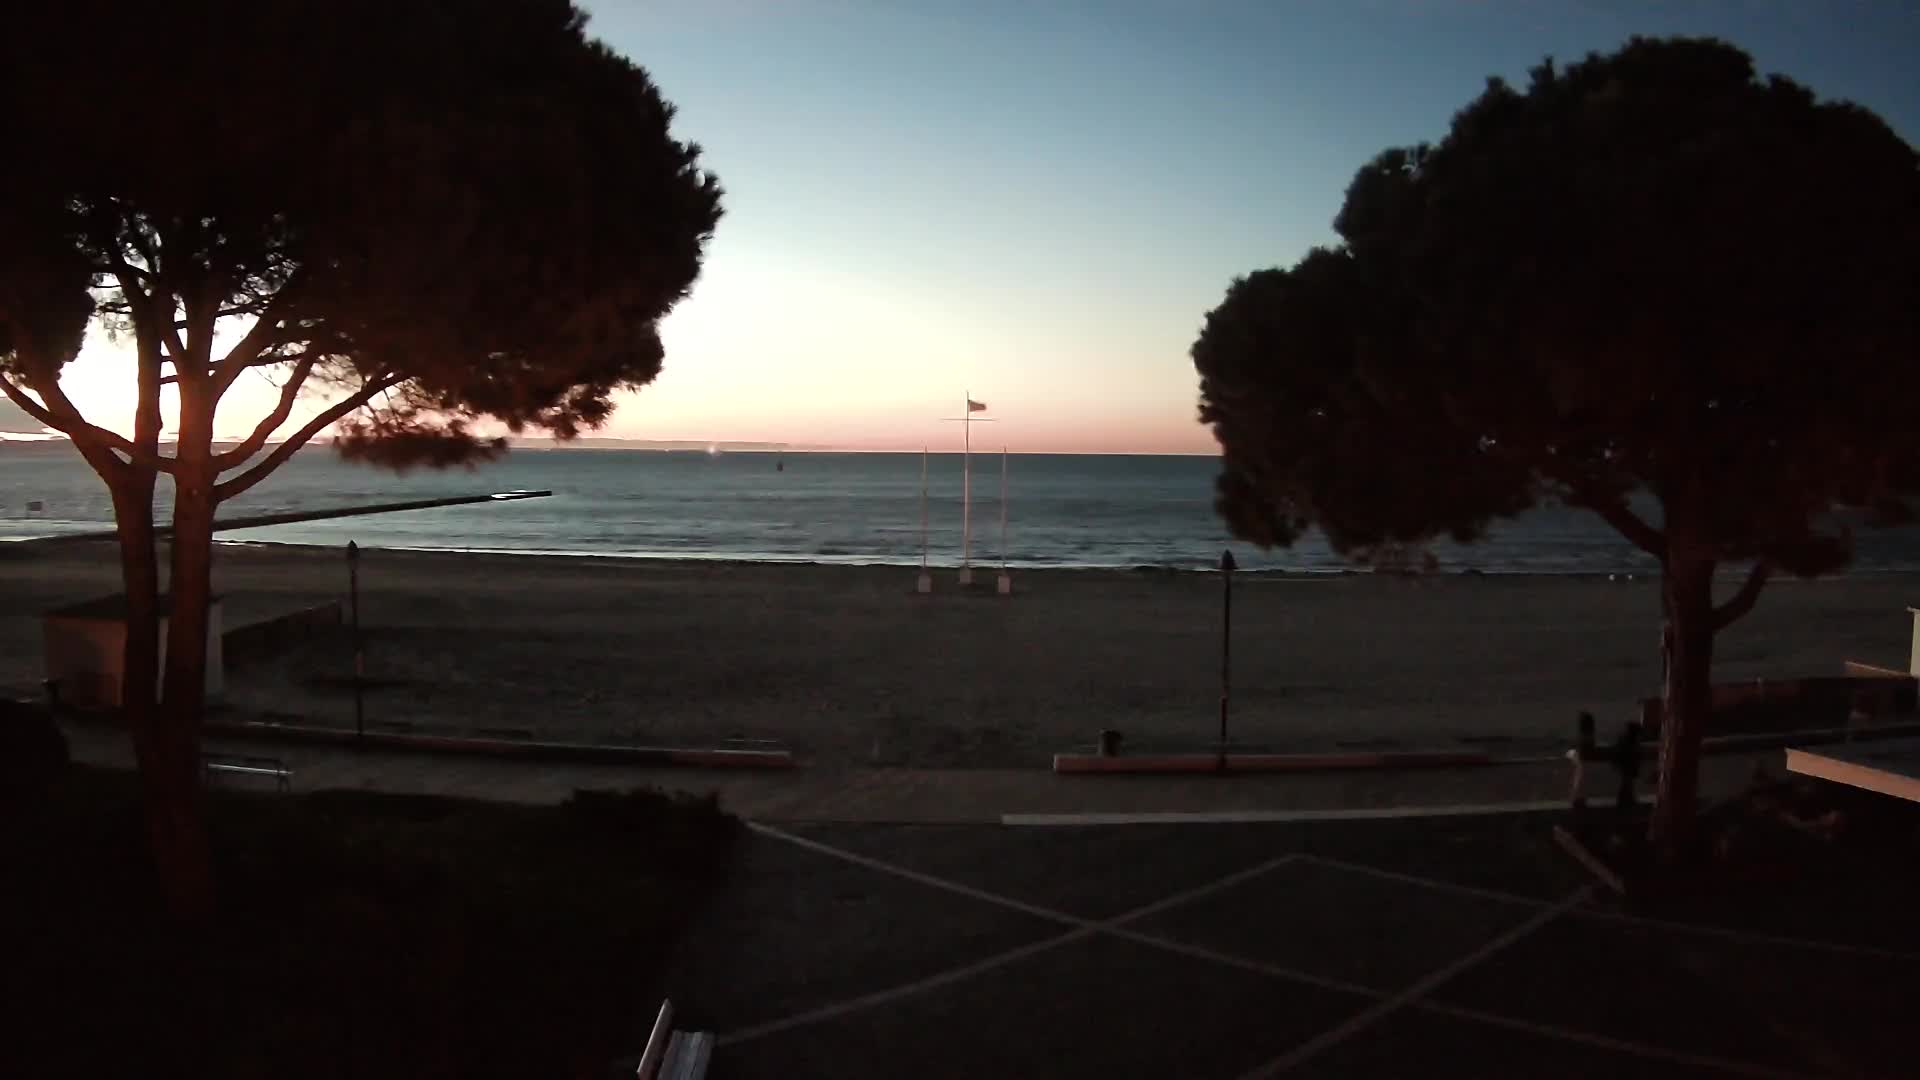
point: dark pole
(359, 656)
(1226, 647)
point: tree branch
(256, 362)
(169, 380)
(129, 277)
(176, 346)
(228, 489)
(1630, 525)
(111, 469)
(238, 455)
(194, 366)
(146, 412)
(67, 420)
(1612, 509)
(123, 270)
(29, 406)
(259, 338)
(223, 313)
(1742, 602)
(138, 240)
(160, 324)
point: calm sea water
(1063, 510)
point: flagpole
(925, 584)
(966, 490)
(1005, 583)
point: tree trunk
(183, 700)
(191, 583)
(168, 755)
(1687, 701)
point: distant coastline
(604, 443)
(722, 446)
(21, 439)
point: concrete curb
(697, 757)
(1079, 764)
(1277, 817)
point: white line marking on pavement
(1263, 817)
(1413, 997)
(914, 875)
(881, 997)
(1372, 1013)
(1429, 883)
(1744, 936)
(1082, 929)
(1678, 1057)
(1198, 891)
(1181, 897)
(1258, 967)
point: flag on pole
(976, 406)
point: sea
(1060, 510)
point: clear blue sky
(1037, 202)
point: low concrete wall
(698, 756)
(1821, 701)
(1241, 762)
(258, 641)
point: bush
(358, 934)
(32, 748)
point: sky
(1037, 203)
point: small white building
(85, 650)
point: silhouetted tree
(1649, 273)
(431, 213)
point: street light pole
(1227, 568)
(359, 653)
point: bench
(248, 766)
(674, 1055)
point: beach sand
(848, 666)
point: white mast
(966, 418)
(966, 490)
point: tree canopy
(430, 215)
(475, 209)
(1650, 273)
(1314, 440)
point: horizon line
(694, 446)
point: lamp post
(1227, 568)
(359, 654)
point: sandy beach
(848, 666)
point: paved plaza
(1439, 946)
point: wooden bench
(248, 766)
(674, 1055)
